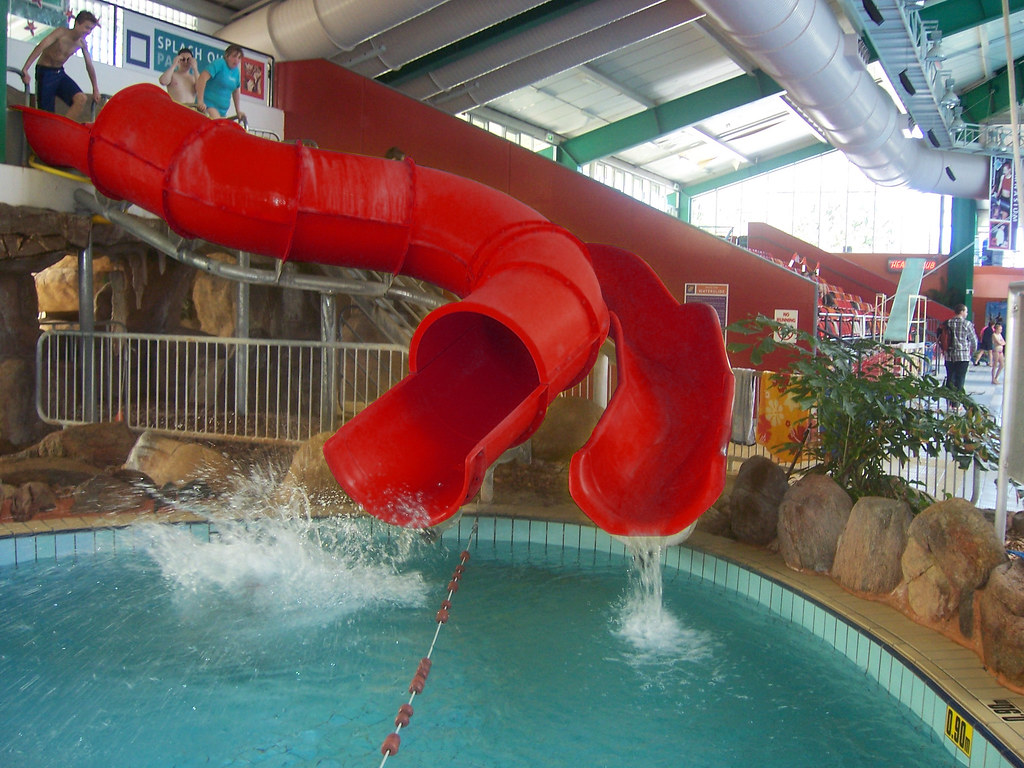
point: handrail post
(87, 325)
(242, 315)
(328, 360)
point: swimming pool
(207, 646)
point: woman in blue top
(220, 83)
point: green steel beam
(668, 117)
(953, 16)
(756, 169)
(992, 96)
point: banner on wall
(150, 45)
(1004, 207)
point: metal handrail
(282, 391)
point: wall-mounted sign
(1003, 206)
(715, 295)
(897, 265)
(790, 317)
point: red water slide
(484, 369)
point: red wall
(345, 112)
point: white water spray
(268, 553)
(644, 623)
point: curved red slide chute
(484, 369)
(656, 460)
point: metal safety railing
(268, 390)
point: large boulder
(19, 422)
(812, 516)
(1002, 621)
(869, 550)
(115, 492)
(754, 501)
(170, 461)
(31, 499)
(951, 549)
(310, 476)
(105, 444)
(566, 427)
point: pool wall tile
(64, 545)
(103, 540)
(7, 552)
(46, 547)
(587, 539)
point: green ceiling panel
(758, 168)
(954, 16)
(992, 96)
(668, 117)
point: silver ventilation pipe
(318, 29)
(800, 44)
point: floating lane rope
(391, 744)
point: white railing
(282, 391)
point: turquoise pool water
(293, 645)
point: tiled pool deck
(945, 685)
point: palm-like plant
(868, 402)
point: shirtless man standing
(180, 78)
(52, 81)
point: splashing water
(267, 553)
(644, 623)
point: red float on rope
(459, 570)
(464, 556)
(446, 604)
(390, 745)
(403, 716)
(424, 667)
(453, 586)
(417, 683)
(442, 616)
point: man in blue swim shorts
(52, 81)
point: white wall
(112, 79)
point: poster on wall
(715, 295)
(1004, 208)
(253, 74)
(150, 45)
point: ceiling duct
(428, 32)
(532, 40)
(800, 44)
(318, 29)
(633, 28)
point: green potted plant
(867, 402)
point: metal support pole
(328, 361)
(242, 353)
(1011, 457)
(87, 325)
(601, 380)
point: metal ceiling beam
(542, 14)
(992, 96)
(670, 116)
(758, 168)
(955, 16)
